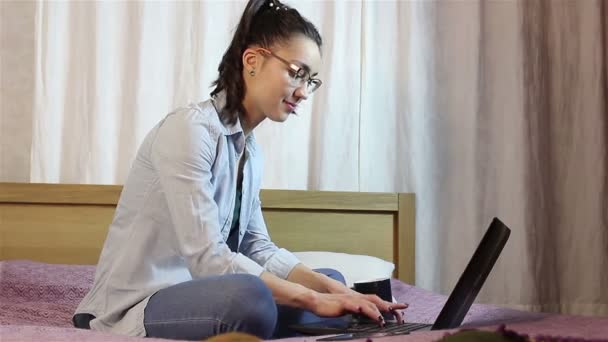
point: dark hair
(261, 24)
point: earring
(252, 73)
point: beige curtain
(482, 108)
(566, 103)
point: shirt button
(241, 233)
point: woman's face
(275, 91)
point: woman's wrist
(334, 286)
(305, 299)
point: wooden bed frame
(65, 223)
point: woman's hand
(337, 287)
(338, 299)
(327, 297)
(332, 305)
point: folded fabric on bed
(354, 268)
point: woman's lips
(292, 106)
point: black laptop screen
(473, 277)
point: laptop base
(342, 327)
(376, 331)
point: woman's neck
(250, 119)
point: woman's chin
(279, 116)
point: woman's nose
(302, 92)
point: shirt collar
(236, 130)
(219, 102)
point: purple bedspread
(37, 301)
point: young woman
(188, 255)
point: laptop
(453, 312)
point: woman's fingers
(394, 308)
(362, 306)
(366, 305)
(399, 306)
(397, 314)
(352, 306)
(385, 306)
(370, 310)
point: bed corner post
(406, 245)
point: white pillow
(355, 268)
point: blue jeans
(198, 309)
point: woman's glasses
(299, 75)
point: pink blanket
(37, 301)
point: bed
(51, 236)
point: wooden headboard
(66, 223)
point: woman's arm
(316, 281)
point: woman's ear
(250, 60)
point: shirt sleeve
(257, 245)
(183, 153)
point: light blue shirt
(174, 216)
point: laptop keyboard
(391, 327)
(358, 331)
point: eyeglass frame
(297, 71)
